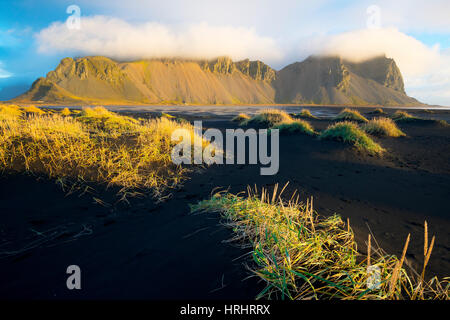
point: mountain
(333, 80)
(318, 80)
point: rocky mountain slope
(318, 80)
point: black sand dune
(156, 251)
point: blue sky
(34, 35)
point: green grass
(403, 116)
(269, 118)
(241, 117)
(383, 127)
(301, 255)
(350, 115)
(305, 113)
(296, 126)
(349, 132)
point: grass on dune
(241, 117)
(269, 118)
(10, 112)
(383, 127)
(378, 111)
(34, 110)
(296, 126)
(95, 145)
(65, 112)
(301, 255)
(305, 113)
(403, 116)
(349, 132)
(351, 115)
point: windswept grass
(403, 116)
(10, 112)
(349, 132)
(296, 126)
(94, 146)
(34, 110)
(378, 111)
(65, 112)
(383, 127)
(241, 117)
(269, 118)
(305, 113)
(350, 115)
(301, 255)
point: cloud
(4, 73)
(116, 38)
(425, 69)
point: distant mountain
(324, 80)
(333, 80)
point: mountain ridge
(316, 80)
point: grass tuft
(350, 115)
(33, 110)
(301, 255)
(241, 117)
(349, 132)
(296, 126)
(10, 112)
(134, 156)
(65, 112)
(305, 113)
(383, 127)
(269, 118)
(403, 116)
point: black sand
(146, 250)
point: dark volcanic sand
(159, 251)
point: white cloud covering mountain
(116, 38)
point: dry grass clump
(351, 115)
(305, 113)
(133, 156)
(65, 112)
(378, 111)
(269, 117)
(403, 116)
(33, 110)
(241, 117)
(349, 132)
(383, 127)
(296, 126)
(10, 112)
(102, 119)
(301, 255)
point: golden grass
(65, 112)
(301, 255)
(349, 132)
(351, 115)
(296, 126)
(241, 117)
(33, 109)
(403, 116)
(10, 112)
(269, 117)
(378, 111)
(383, 127)
(94, 146)
(305, 113)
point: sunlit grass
(351, 115)
(305, 113)
(94, 146)
(34, 110)
(349, 132)
(10, 112)
(241, 117)
(301, 255)
(403, 116)
(296, 126)
(383, 127)
(269, 118)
